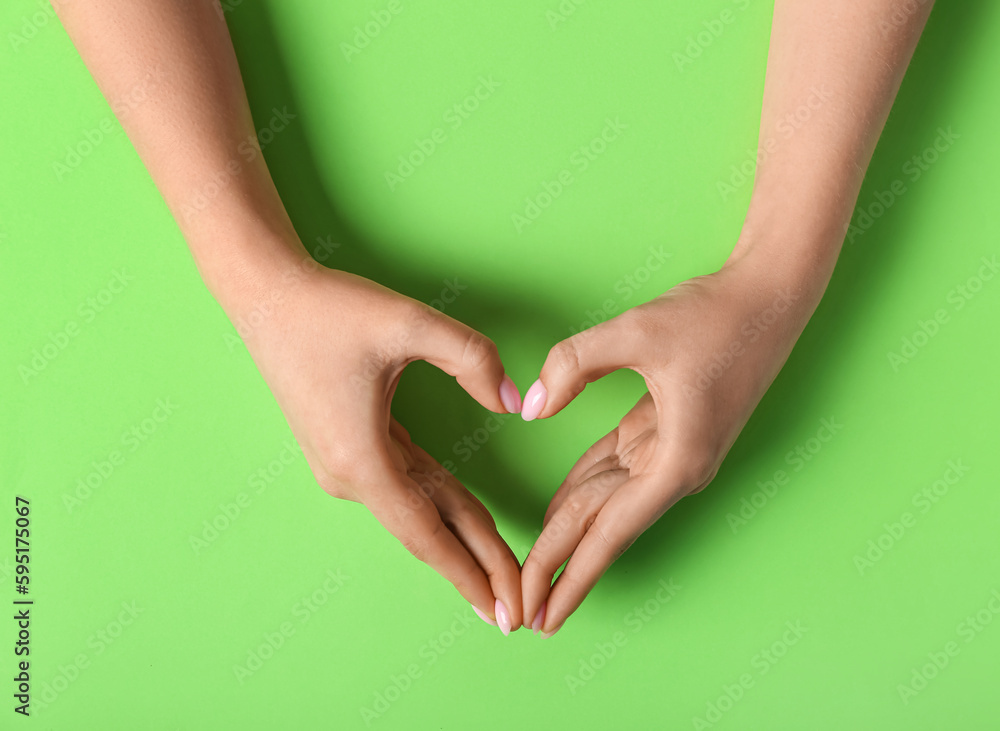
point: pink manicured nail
(483, 616)
(510, 397)
(536, 625)
(534, 401)
(503, 618)
(546, 635)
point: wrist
(788, 250)
(244, 262)
(786, 274)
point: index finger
(412, 517)
(635, 506)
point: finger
(607, 465)
(630, 511)
(473, 360)
(599, 455)
(608, 446)
(404, 510)
(470, 521)
(561, 535)
(577, 361)
(430, 465)
(465, 519)
(482, 508)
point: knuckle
(420, 317)
(700, 469)
(610, 546)
(641, 419)
(598, 486)
(487, 516)
(576, 506)
(635, 323)
(420, 541)
(333, 474)
(465, 580)
(705, 482)
(461, 517)
(565, 356)
(474, 512)
(479, 351)
(335, 487)
(574, 583)
(537, 565)
(410, 322)
(557, 527)
(645, 324)
(498, 564)
(415, 314)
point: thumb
(472, 358)
(575, 362)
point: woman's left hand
(708, 350)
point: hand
(332, 346)
(708, 350)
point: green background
(202, 610)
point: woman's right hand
(332, 346)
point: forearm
(193, 130)
(833, 71)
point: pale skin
(854, 53)
(334, 378)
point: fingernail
(483, 615)
(546, 635)
(536, 625)
(534, 401)
(503, 618)
(510, 397)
